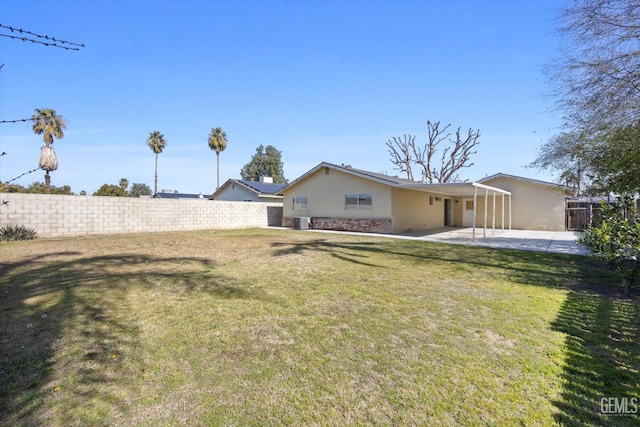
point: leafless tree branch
(455, 156)
(399, 149)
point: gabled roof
(455, 189)
(531, 180)
(377, 177)
(260, 189)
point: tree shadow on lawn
(602, 358)
(52, 297)
(350, 251)
(521, 266)
(602, 331)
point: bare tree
(400, 151)
(597, 79)
(455, 156)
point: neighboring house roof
(531, 180)
(260, 189)
(455, 188)
(174, 195)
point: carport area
(474, 190)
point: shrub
(16, 232)
(616, 239)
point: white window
(358, 201)
(299, 203)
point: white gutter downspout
(509, 211)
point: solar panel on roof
(264, 187)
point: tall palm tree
(217, 142)
(48, 124)
(157, 143)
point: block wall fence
(63, 216)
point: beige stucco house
(249, 191)
(344, 198)
(535, 205)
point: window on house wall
(300, 203)
(468, 205)
(358, 201)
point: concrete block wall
(61, 216)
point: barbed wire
(20, 176)
(16, 121)
(63, 44)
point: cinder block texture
(61, 216)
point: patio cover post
(509, 211)
(475, 204)
(502, 222)
(486, 196)
(493, 219)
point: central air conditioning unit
(301, 223)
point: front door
(467, 214)
(448, 212)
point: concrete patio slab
(564, 242)
(527, 240)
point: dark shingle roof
(168, 195)
(262, 187)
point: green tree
(48, 124)
(41, 188)
(616, 160)
(110, 190)
(569, 154)
(595, 79)
(617, 239)
(595, 162)
(266, 162)
(138, 189)
(156, 142)
(124, 183)
(217, 142)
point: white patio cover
(469, 189)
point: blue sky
(319, 80)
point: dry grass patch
(267, 327)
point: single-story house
(249, 191)
(344, 198)
(536, 205)
(173, 194)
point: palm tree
(217, 142)
(48, 124)
(157, 143)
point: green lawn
(272, 327)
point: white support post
(502, 222)
(493, 217)
(486, 196)
(475, 204)
(509, 211)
